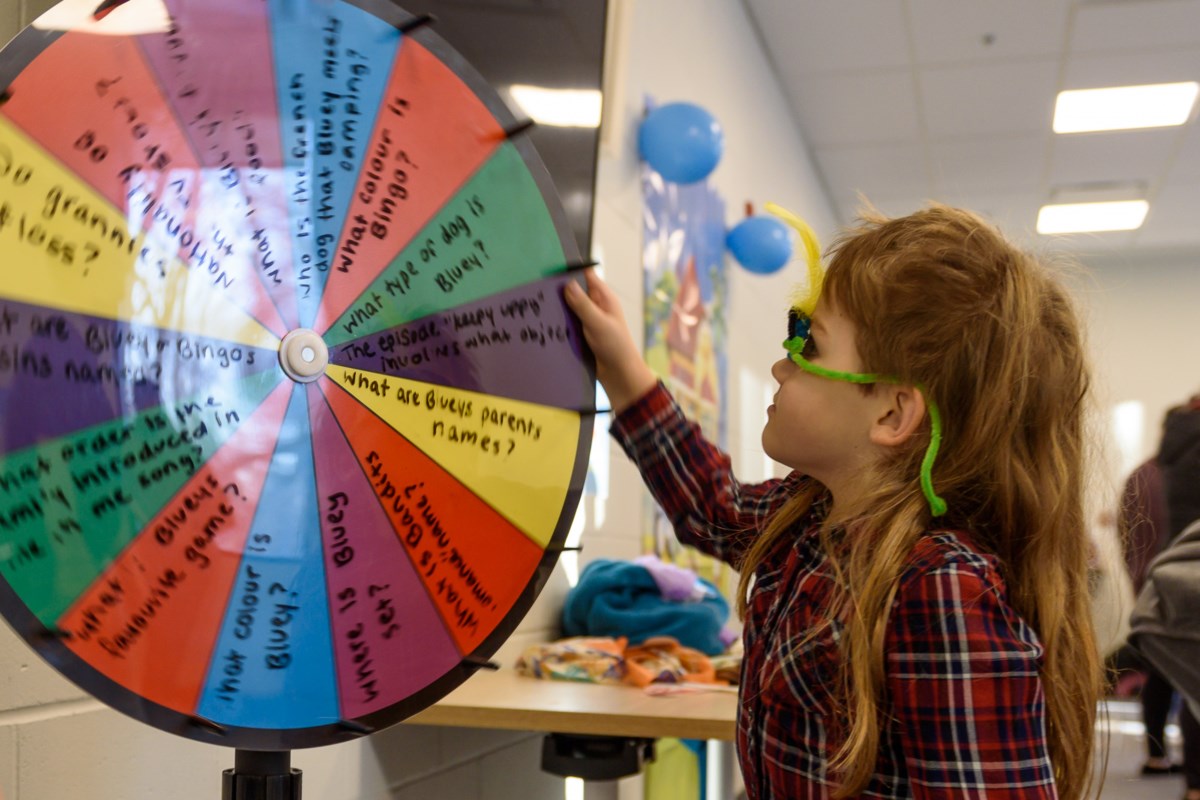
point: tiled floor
(1127, 751)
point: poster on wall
(686, 291)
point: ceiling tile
(1173, 216)
(1082, 244)
(988, 99)
(974, 118)
(1131, 68)
(1186, 165)
(1120, 156)
(856, 109)
(951, 30)
(876, 171)
(1117, 26)
(813, 36)
(992, 163)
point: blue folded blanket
(621, 598)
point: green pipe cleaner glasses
(937, 506)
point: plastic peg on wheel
(416, 23)
(579, 266)
(207, 724)
(355, 727)
(518, 128)
(106, 8)
(474, 662)
(56, 634)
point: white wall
(705, 51)
(1145, 344)
(56, 743)
(1139, 315)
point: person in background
(1160, 499)
(914, 592)
(1143, 531)
(1179, 459)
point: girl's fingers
(580, 302)
(598, 290)
(592, 306)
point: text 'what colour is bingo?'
(445, 259)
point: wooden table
(505, 700)
(508, 701)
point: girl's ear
(899, 417)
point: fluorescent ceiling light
(1124, 107)
(1120, 215)
(567, 108)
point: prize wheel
(293, 417)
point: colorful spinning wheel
(293, 419)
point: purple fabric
(676, 584)
(681, 585)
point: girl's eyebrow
(816, 323)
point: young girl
(914, 593)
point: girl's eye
(798, 324)
(810, 348)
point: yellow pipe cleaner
(812, 252)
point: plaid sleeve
(692, 480)
(962, 674)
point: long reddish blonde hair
(939, 298)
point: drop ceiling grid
(877, 86)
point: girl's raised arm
(689, 477)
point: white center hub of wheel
(303, 355)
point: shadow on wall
(418, 761)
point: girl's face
(819, 426)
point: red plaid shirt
(964, 712)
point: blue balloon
(760, 244)
(681, 141)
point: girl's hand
(619, 365)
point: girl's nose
(781, 368)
